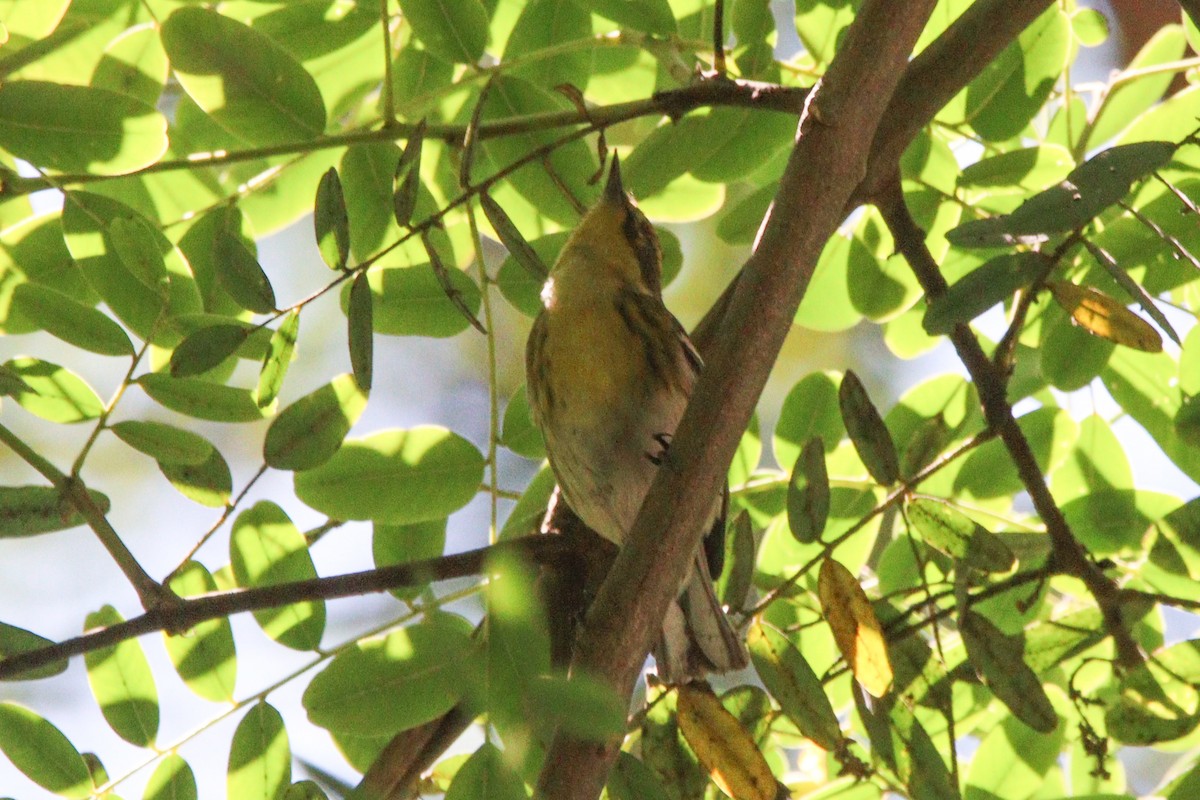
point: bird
(609, 371)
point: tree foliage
(981, 562)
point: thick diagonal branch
(1070, 557)
(827, 164)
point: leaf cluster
(975, 561)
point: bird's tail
(697, 639)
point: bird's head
(616, 235)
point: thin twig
(151, 593)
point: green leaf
(361, 331)
(15, 640)
(827, 305)
(11, 383)
(71, 321)
(330, 220)
(410, 301)
(485, 774)
(307, 433)
(810, 409)
(925, 444)
(1070, 357)
(277, 360)
(172, 780)
(794, 685)
(122, 683)
(208, 483)
(808, 493)
(402, 544)
(419, 77)
(526, 516)
(203, 656)
(648, 16)
(384, 685)
(573, 164)
(519, 286)
(265, 549)
(733, 584)
(982, 288)
(242, 276)
(545, 24)
(1024, 169)
(456, 30)
(202, 399)
(30, 510)
(949, 531)
(518, 433)
(86, 221)
(407, 177)
(517, 651)
(1090, 27)
(205, 348)
(395, 476)
(1133, 92)
(79, 128)
(366, 172)
(988, 472)
(1014, 87)
(510, 236)
(739, 141)
(1012, 760)
(867, 431)
(1142, 385)
(1149, 710)
(55, 393)
(137, 245)
(260, 759)
(164, 443)
(305, 790)
(249, 85)
(134, 64)
(920, 762)
(1087, 190)
(663, 749)
(1054, 641)
(739, 222)
(1096, 463)
(999, 659)
(39, 750)
(630, 779)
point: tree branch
(186, 613)
(1069, 556)
(151, 593)
(673, 103)
(939, 73)
(949, 63)
(827, 164)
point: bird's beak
(614, 191)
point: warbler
(609, 371)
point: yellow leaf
(855, 627)
(723, 746)
(1101, 315)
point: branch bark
(990, 380)
(182, 614)
(827, 164)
